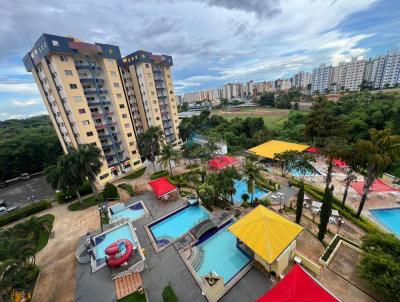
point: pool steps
(196, 257)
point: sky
(212, 41)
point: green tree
(149, 143)
(168, 154)
(300, 201)
(252, 174)
(376, 155)
(267, 99)
(326, 211)
(207, 194)
(227, 179)
(286, 160)
(245, 197)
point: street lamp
(102, 207)
(340, 222)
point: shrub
(192, 166)
(67, 196)
(86, 203)
(128, 188)
(110, 191)
(135, 174)
(159, 174)
(169, 295)
(24, 212)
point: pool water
(241, 188)
(222, 256)
(390, 218)
(308, 172)
(103, 241)
(132, 212)
(178, 223)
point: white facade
(321, 78)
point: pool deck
(165, 268)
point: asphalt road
(17, 194)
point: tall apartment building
(84, 94)
(231, 91)
(321, 78)
(391, 71)
(147, 80)
(355, 70)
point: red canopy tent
(298, 286)
(339, 163)
(312, 150)
(377, 186)
(161, 186)
(222, 162)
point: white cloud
(23, 88)
(25, 103)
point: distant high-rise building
(84, 95)
(321, 78)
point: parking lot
(17, 194)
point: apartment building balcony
(98, 103)
(111, 145)
(104, 126)
(108, 135)
(87, 66)
(89, 91)
(91, 80)
(113, 153)
(102, 114)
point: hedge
(66, 196)
(135, 174)
(24, 212)
(86, 203)
(159, 174)
(169, 295)
(43, 234)
(110, 192)
(128, 188)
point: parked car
(3, 210)
(25, 176)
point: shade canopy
(313, 150)
(161, 186)
(377, 186)
(339, 163)
(222, 162)
(265, 232)
(298, 286)
(269, 149)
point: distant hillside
(27, 145)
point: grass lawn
(269, 120)
(135, 297)
(135, 174)
(86, 203)
(44, 235)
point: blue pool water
(102, 242)
(178, 223)
(390, 218)
(222, 256)
(241, 188)
(133, 212)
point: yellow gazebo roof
(269, 149)
(265, 232)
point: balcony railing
(94, 91)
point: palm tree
(149, 143)
(227, 179)
(252, 173)
(350, 157)
(168, 154)
(376, 155)
(245, 197)
(63, 176)
(87, 164)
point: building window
(113, 74)
(116, 85)
(134, 152)
(119, 96)
(82, 111)
(121, 106)
(129, 135)
(136, 163)
(147, 65)
(90, 133)
(104, 176)
(153, 93)
(68, 73)
(131, 144)
(127, 125)
(124, 116)
(157, 118)
(171, 92)
(85, 123)
(110, 51)
(73, 86)
(64, 59)
(77, 98)
(55, 43)
(94, 144)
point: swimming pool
(221, 255)
(178, 223)
(390, 218)
(308, 172)
(104, 240)
(133, 212)
(241, 188)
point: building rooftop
(272, 147)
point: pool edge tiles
(115, 218)
(169, 241)
(384, 223)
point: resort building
(147, 80)
(84, 96)
(270, 237)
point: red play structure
(118, 252)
